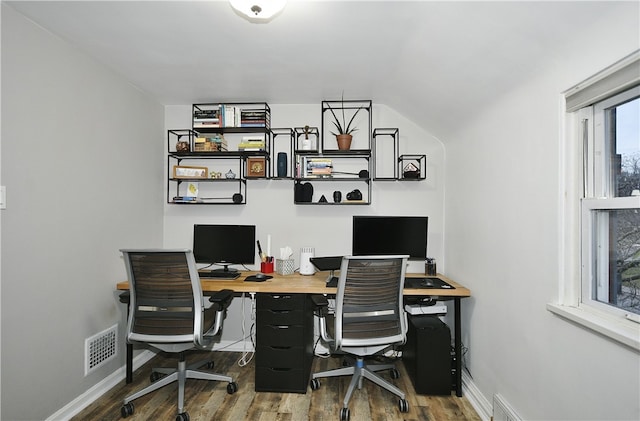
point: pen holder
(266, 267)
(285, 266)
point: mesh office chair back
(163, 296)
(369, 303)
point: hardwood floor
(206, 400)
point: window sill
(620, 330)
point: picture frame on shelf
(181, 171)
(256, 167)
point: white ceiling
(431, 61)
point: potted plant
(344, 129)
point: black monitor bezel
(226, 232)
(374, 244)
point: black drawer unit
(284, 342)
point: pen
(260, 251)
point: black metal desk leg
(458, 346)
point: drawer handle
(280, 311)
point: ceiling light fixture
(258, 10)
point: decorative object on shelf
(354, 195)
(411, 171)
(322, 199)
(215, 175)
(192, 189)
(344, 130)
(258, 11)
(337, 196)
(182, 146)
(256, 167)
(303, 192)
(306, 142)
(282, 164)
(189, 172)
(230, 174)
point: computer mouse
(260, 276)
(428, 282)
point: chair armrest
(321, 303)
(125, 297)
(222, 299)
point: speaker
(427, 355)
(282, 164)
(306, 267)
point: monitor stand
(332, 280)
(225, 269)
(222, 273)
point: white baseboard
(479, 402)
(102, 387)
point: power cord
(247, 356)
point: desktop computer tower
(427, 355)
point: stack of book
(225, 115)
(251, 144)
(216, 143)
(253, 118)
(206, 118)
(318, 167)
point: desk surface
(309, 284)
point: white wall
(80, 154)
(502, 241)
(326, 228)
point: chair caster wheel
(155, 376)
(395, 373)
(314, 384)
(345, 414)
(232, 388)
(182, 417)
(403, 405)
(126, 410)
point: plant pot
(344, 141)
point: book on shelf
(210, 144)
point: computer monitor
(224, 245)
(378, 235)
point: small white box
(417, 309)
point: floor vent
(100, 348)
(502, 411)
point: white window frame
(583, 192)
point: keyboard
(429, 283)
(218, 275)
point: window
(610, 212)
(601, 278)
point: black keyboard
(218, 275)
(429, 283)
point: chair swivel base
(181, 374)
(359, 372)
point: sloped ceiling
(432, 61)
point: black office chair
(369, 319)
(167, 311)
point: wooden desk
(316, 284)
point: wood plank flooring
(206, 400)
